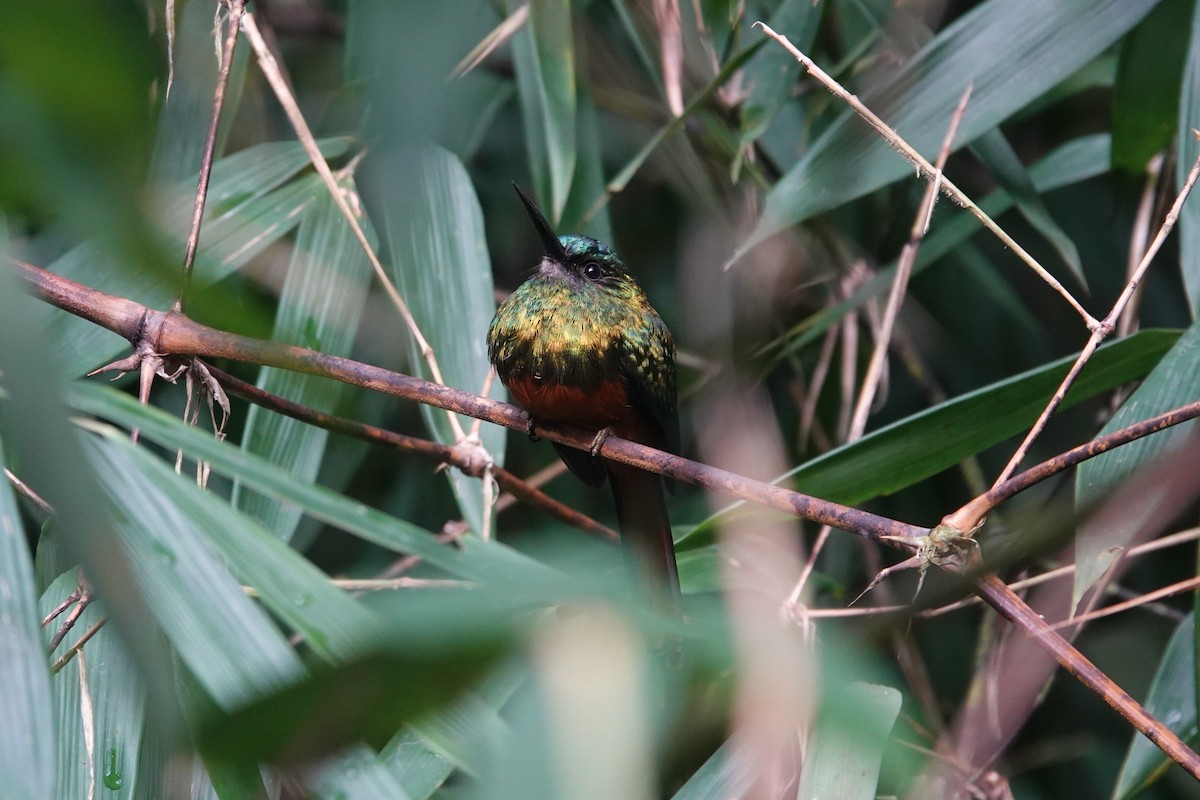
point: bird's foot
(533, 437)
(597, 443)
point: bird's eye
(592, 271)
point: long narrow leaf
(1189, 149)
(26, 728)
(251, 206)
(912, 449)
(473, 559)
(998, 155)
(1043, 43)
(1171, 699)
(319, 308)
(1075, 161)
(545, 71)
(72, 720)
(231, 645)
(425, 209)
(335, 626)
(1174, 382)
(844, 753)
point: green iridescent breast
(585, 322)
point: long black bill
(554, 247)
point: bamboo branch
(927, 170)
(459, 457)
(174, 333)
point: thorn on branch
(945, 546)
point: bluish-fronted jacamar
(579, 343)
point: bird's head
(586, 263)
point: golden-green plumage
(566, 328)
(579, 343)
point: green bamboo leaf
(999, 157)
(626, 173)
(465, 732)
(186, 110)
(487, 562)
(416, 765)
(334, 626)
(319, 308)
(357, 775)
(589, 179)
(1189, 150)
(633, 34)
(1075, 161)
(1146, 94)
(156, 761)
(214, 779)
(226, 640)
(1172, 700)
(545, 69)
(223, 638)
(912, 449)
(364, 700)
(425, 209)
(729, 772)
(1174, 382)
(251, 205)
(27, 759)
(771, 79)
(71, 775)
(1043, 44)
(846, 749)
(117, 696)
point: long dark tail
(646, 534)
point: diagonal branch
(177, 334)
(927, 170)
(283, 93)
(460, 457)
(236, 9)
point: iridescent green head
(577, 259)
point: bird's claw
(598, 443)
(533, 437)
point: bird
(579, 343)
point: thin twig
(1141, 600)
(1099, 332)
(808, 411)
(179, 335)
(64, 605)
(908, 255)
(74, 649)
(927, 170)
(537, 480)
(442, 453)
(494, 39)
(1183, 537)
(1137, 240)
(283, 93)
(236, 9)
(29, 493)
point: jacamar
(579, 343)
